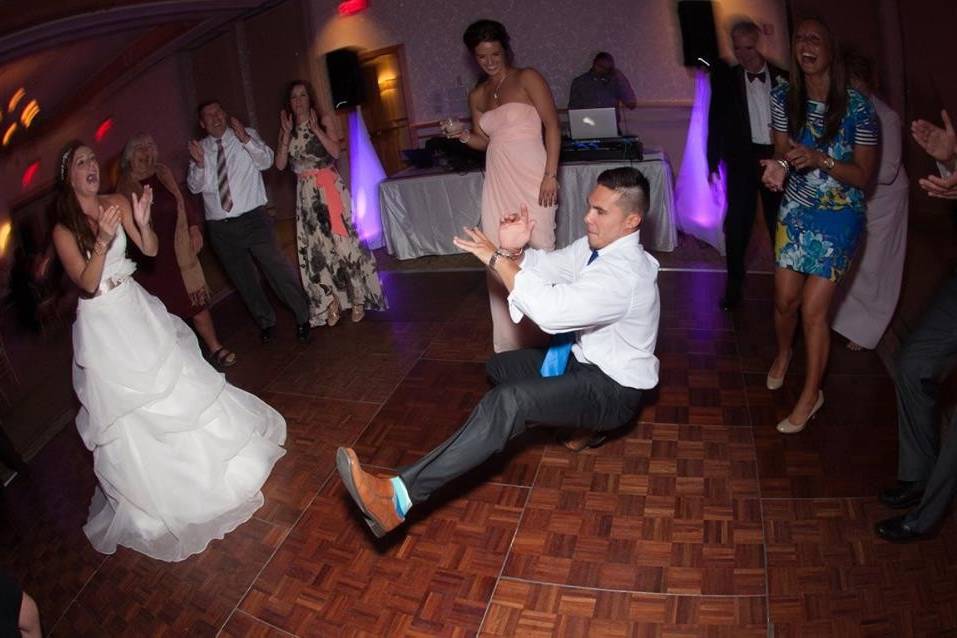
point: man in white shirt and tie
(226, 168)
(598, 297)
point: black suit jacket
(729, 125)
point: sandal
(358, 312)
(224, 358)
(333, 314)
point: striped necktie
(560, 347)
(225, 199)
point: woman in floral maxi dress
(338, 272)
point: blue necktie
(560, 347)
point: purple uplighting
(699, 207)
(365, 172)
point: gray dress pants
(920, 364)
(241, 240)
(583, 397)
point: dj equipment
(624, 149)
(591, 124)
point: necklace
(499, 85)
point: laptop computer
(590, 124)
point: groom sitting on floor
(598, 297)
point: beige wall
(557, 37)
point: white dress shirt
(243, 165)
(759, 106)
(612, 303)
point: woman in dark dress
(174, 275)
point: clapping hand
(141, 206)
(476, 243)
(285, 123)
(801, 157)
(314, 121)
(107, 223)
(196, 152)
(774, 175)
(238, 129)
(940, 143)
(942, 187)
(515, 230)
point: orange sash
(325, 179)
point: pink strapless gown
(514, 168)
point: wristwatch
(828, 163)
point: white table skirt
(421, 213)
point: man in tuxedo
(739, 134)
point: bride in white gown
(180, 455)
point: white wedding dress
(180, 454)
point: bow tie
(755, 76)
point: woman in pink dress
(509, 108)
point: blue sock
(401, 498)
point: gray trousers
(239, 241)
(583, 397)
(920, 364)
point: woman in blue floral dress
(825, 139)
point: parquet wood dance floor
(696, 520)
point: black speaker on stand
(345, 78)
(699, 43)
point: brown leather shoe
(373, 495)
(583, 439)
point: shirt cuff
(945, 172)
(523, 279)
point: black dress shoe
(302, 332)
(895, 530)
(266, 334)
(904, 495)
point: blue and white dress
(821, 218)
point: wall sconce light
(103, 129)
(9, 133)
(352, 7)
(29, 174)
(15, 99)
(29, 112)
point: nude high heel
(786, 427)
(775, 383)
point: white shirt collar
(622, 243)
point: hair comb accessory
(63, 161)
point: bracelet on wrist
(99, 247)
(510, 254)
(785, 165)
